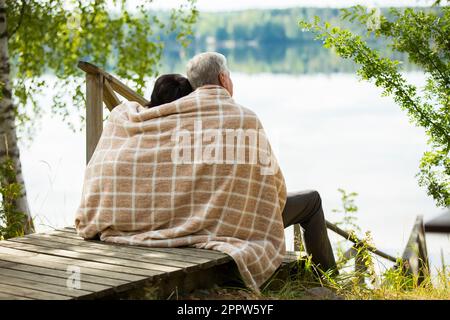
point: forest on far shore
(258, 41)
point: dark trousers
(305, 208)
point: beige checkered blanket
(175, 175)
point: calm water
(328, 132)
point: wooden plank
(145, 269)
(30, 293)
(70, 232)
(58, 281)
(91, 274)
(109, 97)
(8, 296)
(102, 252)
(89, 67)
(94, 112)
(60, 273)
(40, 286)
(116, 84)
(206, 252)
(126, 92)
(181, 253)
(88, 267)
(133, 252)
(30, 258)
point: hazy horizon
(235, 5)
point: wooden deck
(42, 266)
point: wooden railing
(101, 87)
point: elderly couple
(135, 193)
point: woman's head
(168, 88)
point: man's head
(209, 68)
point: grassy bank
(391, 284)
(305, 284)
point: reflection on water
(305, 57)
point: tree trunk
(8, 137)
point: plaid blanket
(188, 173)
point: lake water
(328, 132)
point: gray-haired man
(304, 207)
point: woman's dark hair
(168, 88)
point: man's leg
(305, 208)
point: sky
(214, 5)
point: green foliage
(397, 280)
(361, 246)
(303, 274)
(261, 41)
(349, 210)
(424, 35)
(11, 220)
(50, 36)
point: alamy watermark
(223, 146)
(73, 21)
(74, 277)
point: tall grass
(391, 284)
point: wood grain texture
(100, 252)
(110, 98)
(46, 279)
(56, 270)
(87, 267)
(132, 252)
(94, 112)
(36, 267)
(70, 232)
(122, 264)
(15, 290)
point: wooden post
(94, 112)
(298, 239)
(415, 256)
